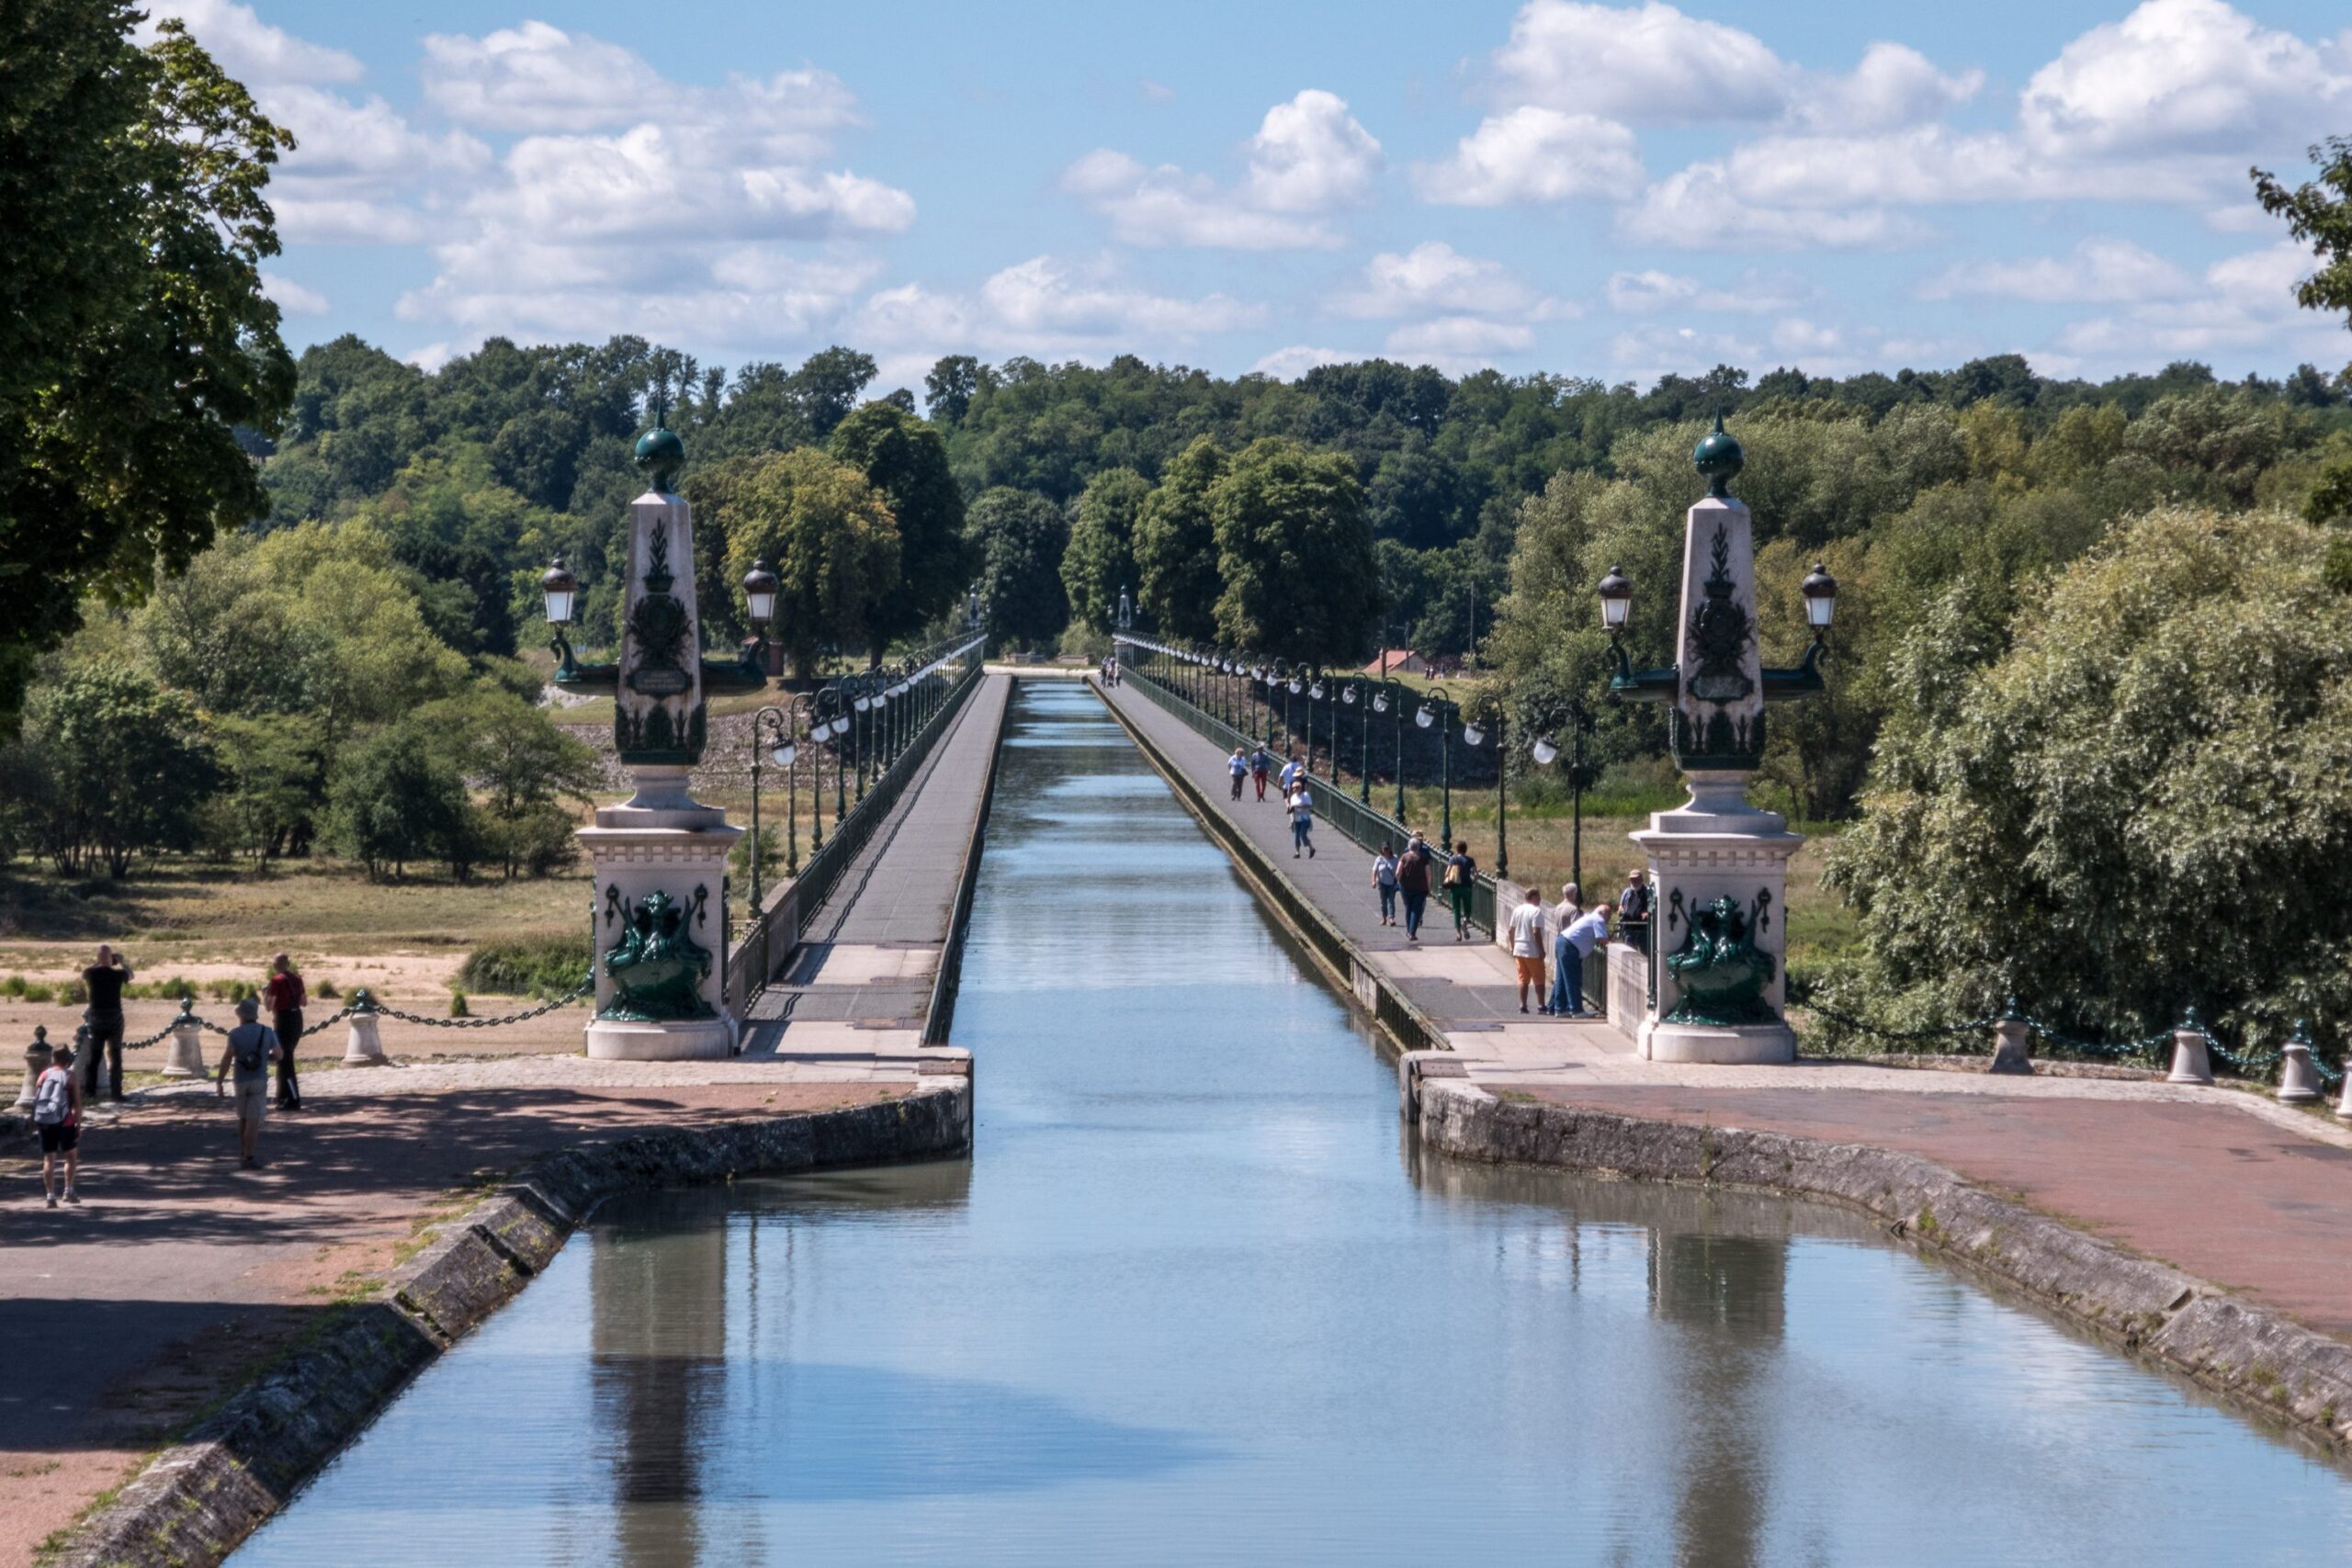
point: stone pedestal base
(694, 1040)
(1733, 1046)
(188, 1052)
(363, 1046)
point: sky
(1596, 190)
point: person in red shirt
(284, 996)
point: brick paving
(2223, 1182)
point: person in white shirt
(1590, 931)
(1527, 947)
(1238, 766)
(1302, 820)
(1564, 913)
(1384, 878)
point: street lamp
(1431, 716)
(1475, 733)
(1579, 775)
(782, 723)
(1352, 696)
(1389, 694)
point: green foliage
(905, 459)
(397, 799)
(522, 765)
(1294, 551)
(1175, 546)
(137, 339)
(546, 965)
(826, 531)
(1100, 563)
(2319, 214)
(2140, 805)
(114, 770)
(1021, 538)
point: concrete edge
(2260, 1361)
(947, 979)
(1346, 966)
(199, 1499)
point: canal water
(1198, 1300)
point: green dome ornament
(660, 456)
(1718, 456)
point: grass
(544, 964)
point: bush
(458, 1004)
(545, 965)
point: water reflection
(1200, 1300)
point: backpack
(252, 1054)
(53, 1100)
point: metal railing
(1368, 828)
(775, 930)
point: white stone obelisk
(659, 860)
(1720, 864)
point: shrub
(546, 965)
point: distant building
(1399, 662)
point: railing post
(37, 1058)
(187, 1043)
(2011, 1042)
(2297, 1073)
(2190, 1061)
(362, 1045)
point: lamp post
(1579, 729)
(1314, 696)
(1431, 714)
(1475, 735)
(830, 723)
(1354, 695)
(777, 721)
(1720, 864)
(1389, 696)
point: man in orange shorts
(1527, 947)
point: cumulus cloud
(2104, 270)
(249, 49)
(292, 298)
(1650, 291)
(1533, 153)
(1649, 63)
(1289, 363)
(1457, 338)
(2242, 302)
(1702, 208)
(1433, 275)
(1309, 158)
(1041, 297)
(1647, 352)
(1893, 86)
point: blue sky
(1595, 189)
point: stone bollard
(187, 1043)
(2191, 1063)
(36, 1062)
(363, 1047)
(2297, 1073)
(2011, 1040)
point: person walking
(1590, 931)
(1527, 948)
(1302, 821)
(1413, 885)
(1261, 762)
(1292, 770)
(103, 983)
(1238, 766)
(252, 1046)
(1461, 876)
(57, 1116)
(1564, 913)
(1633, 912)
(285, 997)
(1384, 878)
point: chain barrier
(363, 1003)
(1866, 1028)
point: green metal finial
(1718, 456)
(660, 456)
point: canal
(1197, 1299)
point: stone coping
(201, 1497)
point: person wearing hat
(252, 1046)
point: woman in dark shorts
(284, 996)
(57, 1113)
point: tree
(1021, 535)
(523, 764)
(397, 797)
(1294, 551)
(127, 762)
(2167, 747)
(906, 460)
(265, 807)
(947, 391)
(2319, 214)
(137, 338)
(826, 387)
(1100, 563)
(826, 533)
(1175, 546)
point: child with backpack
(57, 1114)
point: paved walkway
(2223, 1182)
(862, 980)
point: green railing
(776, 929)
(1361, 823)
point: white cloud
(1433, 275)
(1460, 338)
(292, 298)
(1041, 297)
(2246, 303)
(1309, 157)
(1043, 307)
(1795, 335)
(1647, 352)
(1648, 292)
(1289, 363)
(1702, 208)
(1534, 153)
(2108, 271)
(1893, 86)
(1652, 63)
(249, 49)
(2185, 75)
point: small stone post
(36, 1062)
(2191, 1063)
(362, 1046)
(187, 1043)
(2297, 1073)
(2011, 1040)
